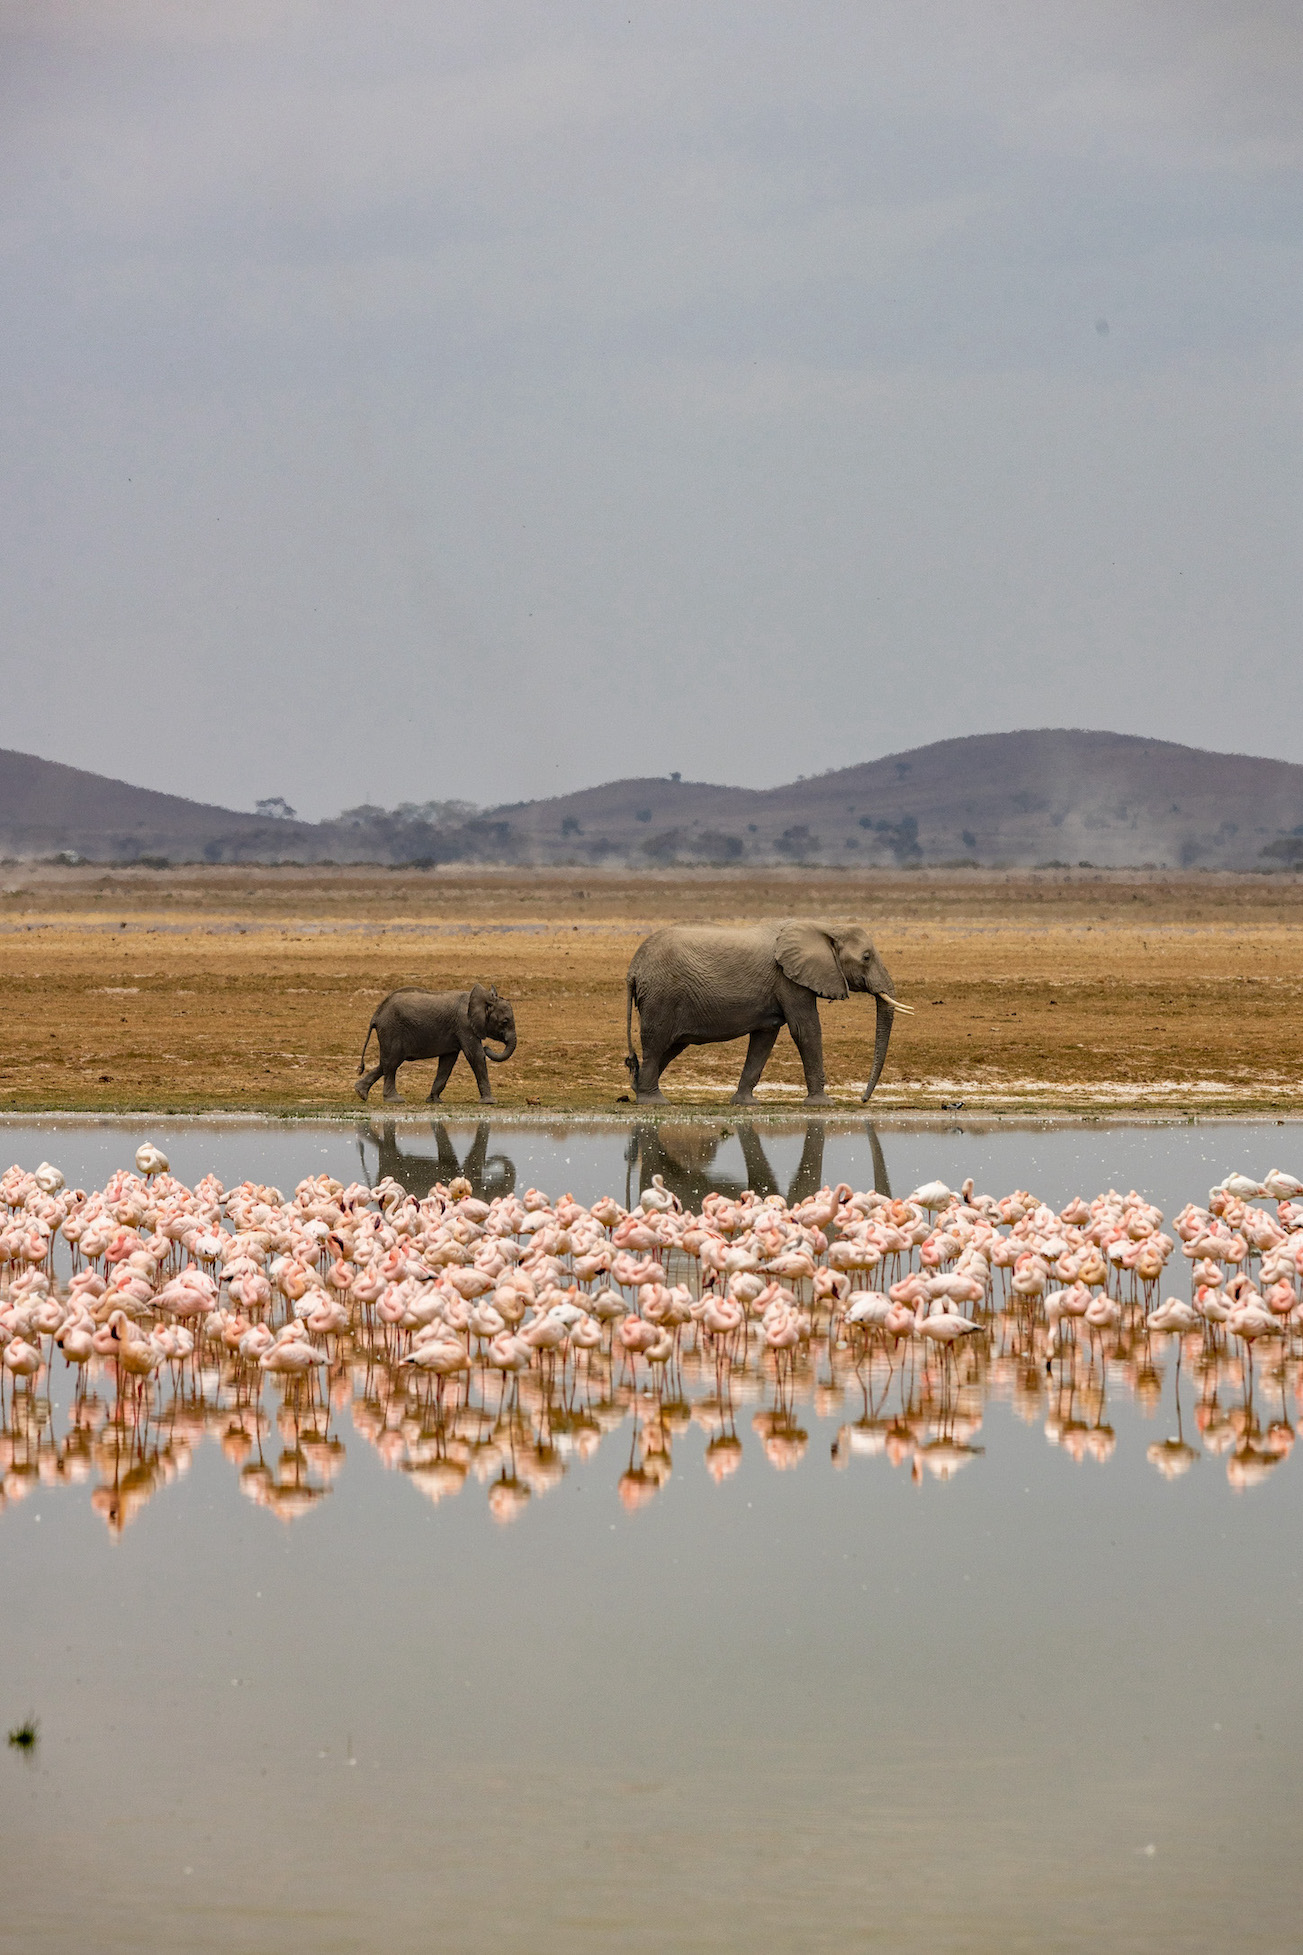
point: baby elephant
(437, 1025)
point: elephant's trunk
(508, 1047)
(882, 1039)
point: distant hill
(1111, 800)
(1108, 799)
(47, 809)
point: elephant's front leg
(759, 1047)
(804, 1026)
(446, 1063)
(479, 1065)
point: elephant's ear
(807, 956)
(477, 1006)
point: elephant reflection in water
(682, 1153)
(490, 1175)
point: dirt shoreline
(587, 1120)
(1050, 995)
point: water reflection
(468, 1335)
(490, 1175)
(683, 1153)
(517, 1436)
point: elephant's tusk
(895, 1005)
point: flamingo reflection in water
(500, 1339)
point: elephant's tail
(361, 1064)
(631, 1058)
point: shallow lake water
(1009, 1662)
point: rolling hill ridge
(1058, 796)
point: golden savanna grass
(200, 989)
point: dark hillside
(1111, 800)
(46, 807)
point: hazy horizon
(408, 404)
(447, 812)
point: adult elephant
(442, 1025)
(702, 985)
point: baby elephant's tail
(361, 1064)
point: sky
(405, 402)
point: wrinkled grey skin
(701, 985)
(437, 1025)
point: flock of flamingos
(499, 1340)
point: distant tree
(275, 808)
(798, 843)
(436, 813)
(665, 846)
(411, 814)
(718, 848)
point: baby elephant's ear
(476, 1007)
(493, 991)
(806, 954)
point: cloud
(516, 357)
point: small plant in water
(23, 1736)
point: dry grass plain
(225, 988)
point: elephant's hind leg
(365, 1081)
(647, 1087)
(391, 1081)
(655, 1058)
(759, 1047)
(656, 1039)
(675, 1051)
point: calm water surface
(806, 1699)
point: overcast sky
(455, 399)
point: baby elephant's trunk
(508, 1047)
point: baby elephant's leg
(446, 1064)
(475, 1059)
